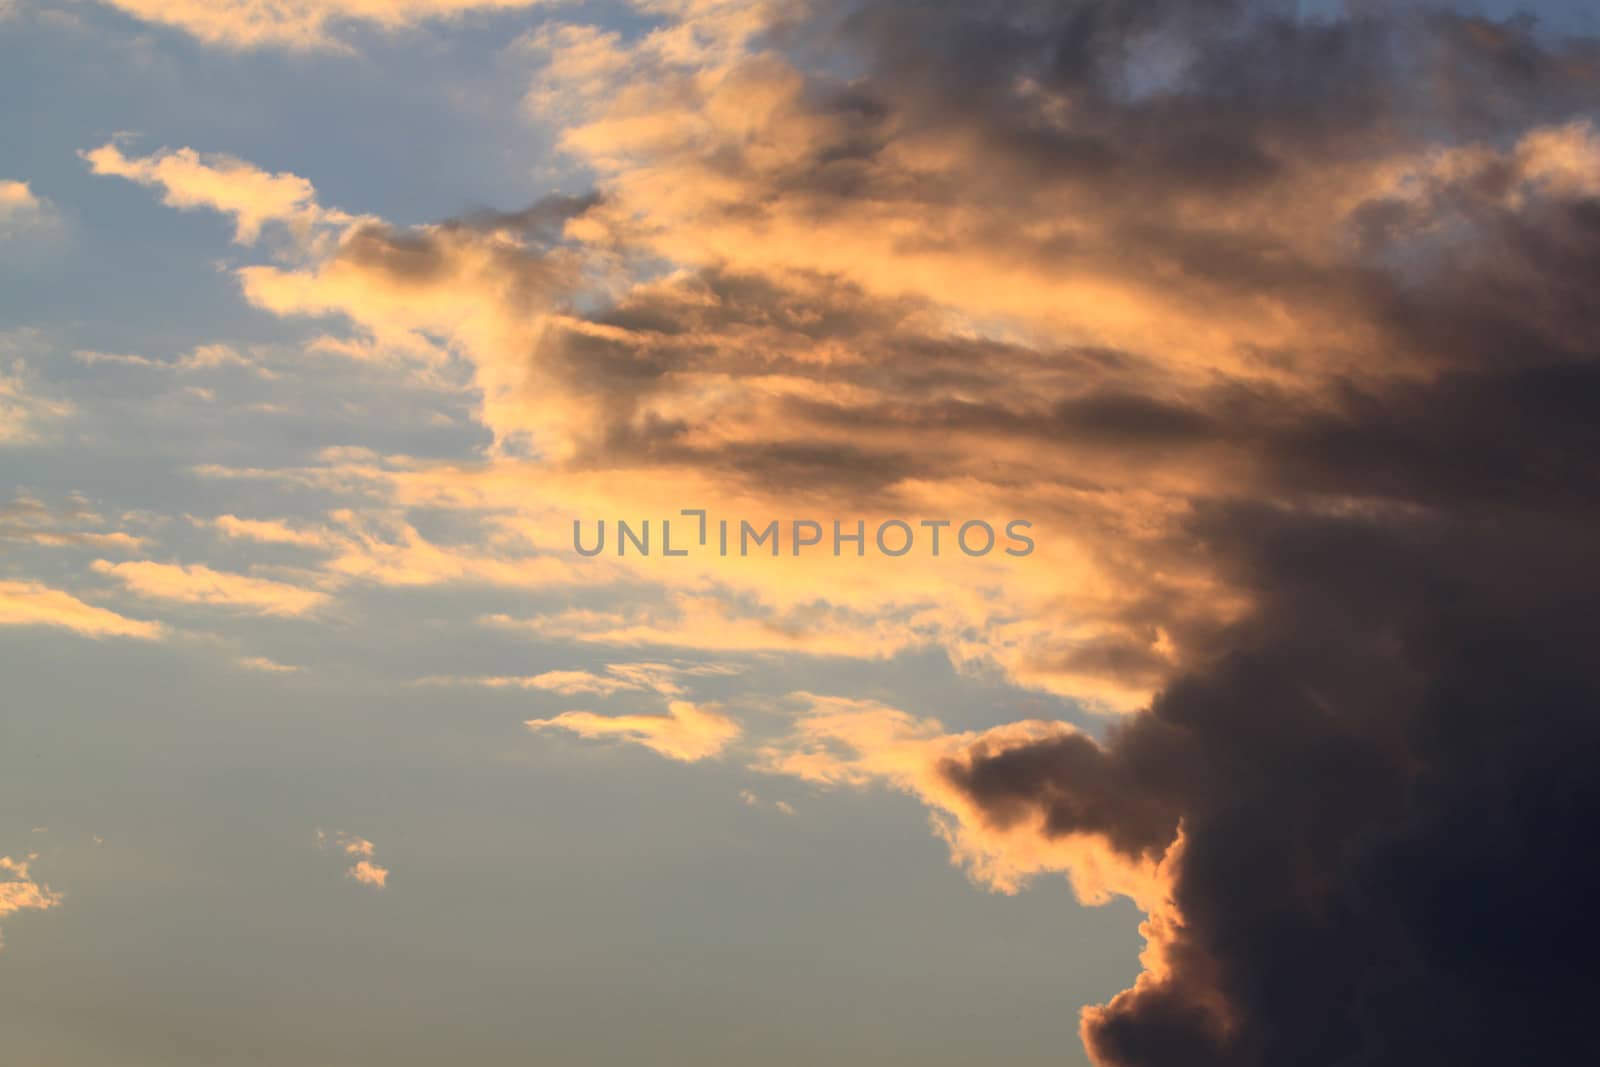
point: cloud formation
(300, 25)
(1280, 328)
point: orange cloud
(32, 604)
(221, 183)
(19, 891)
(368, 873)
(267, 531)
(874, 312)
(661, 678)
(262, 663)
(28, 520)
(687, 732)
(196, 583)
(296, 24)
(363, 870)
(21, 208)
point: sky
(1213, 388)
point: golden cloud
(296, 24)
(687, 732)
(33, 604)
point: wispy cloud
(197, 583)
(27, 408)
(262, 663)
(28, 520)
(664, 678)
(296, 24)
(33, 604)
(687, 732)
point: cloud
(20, 892)
(29, 520)
(688, 732)
(360, 852)
(755, 381)
(838, 741)
(369, 874)
(267, 531)
(663, 678)
(251, 196)
(1292, 321)
(751, 800)
(297, 24)
(262, 663)
(664, 394)
(20, 208)
(195, 583)
(200, 358)
(24, 409)
(33, 604)
(1352, 784)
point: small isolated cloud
(300, 25)
(262, 663)
(687, 732)
(20, 207)
(196, 583)
(368, 873)
(33, 604)
(19, 891)
(360, 852)
(750, 799)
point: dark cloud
(1386, 783)
(1385, 773)
(1290, 323)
